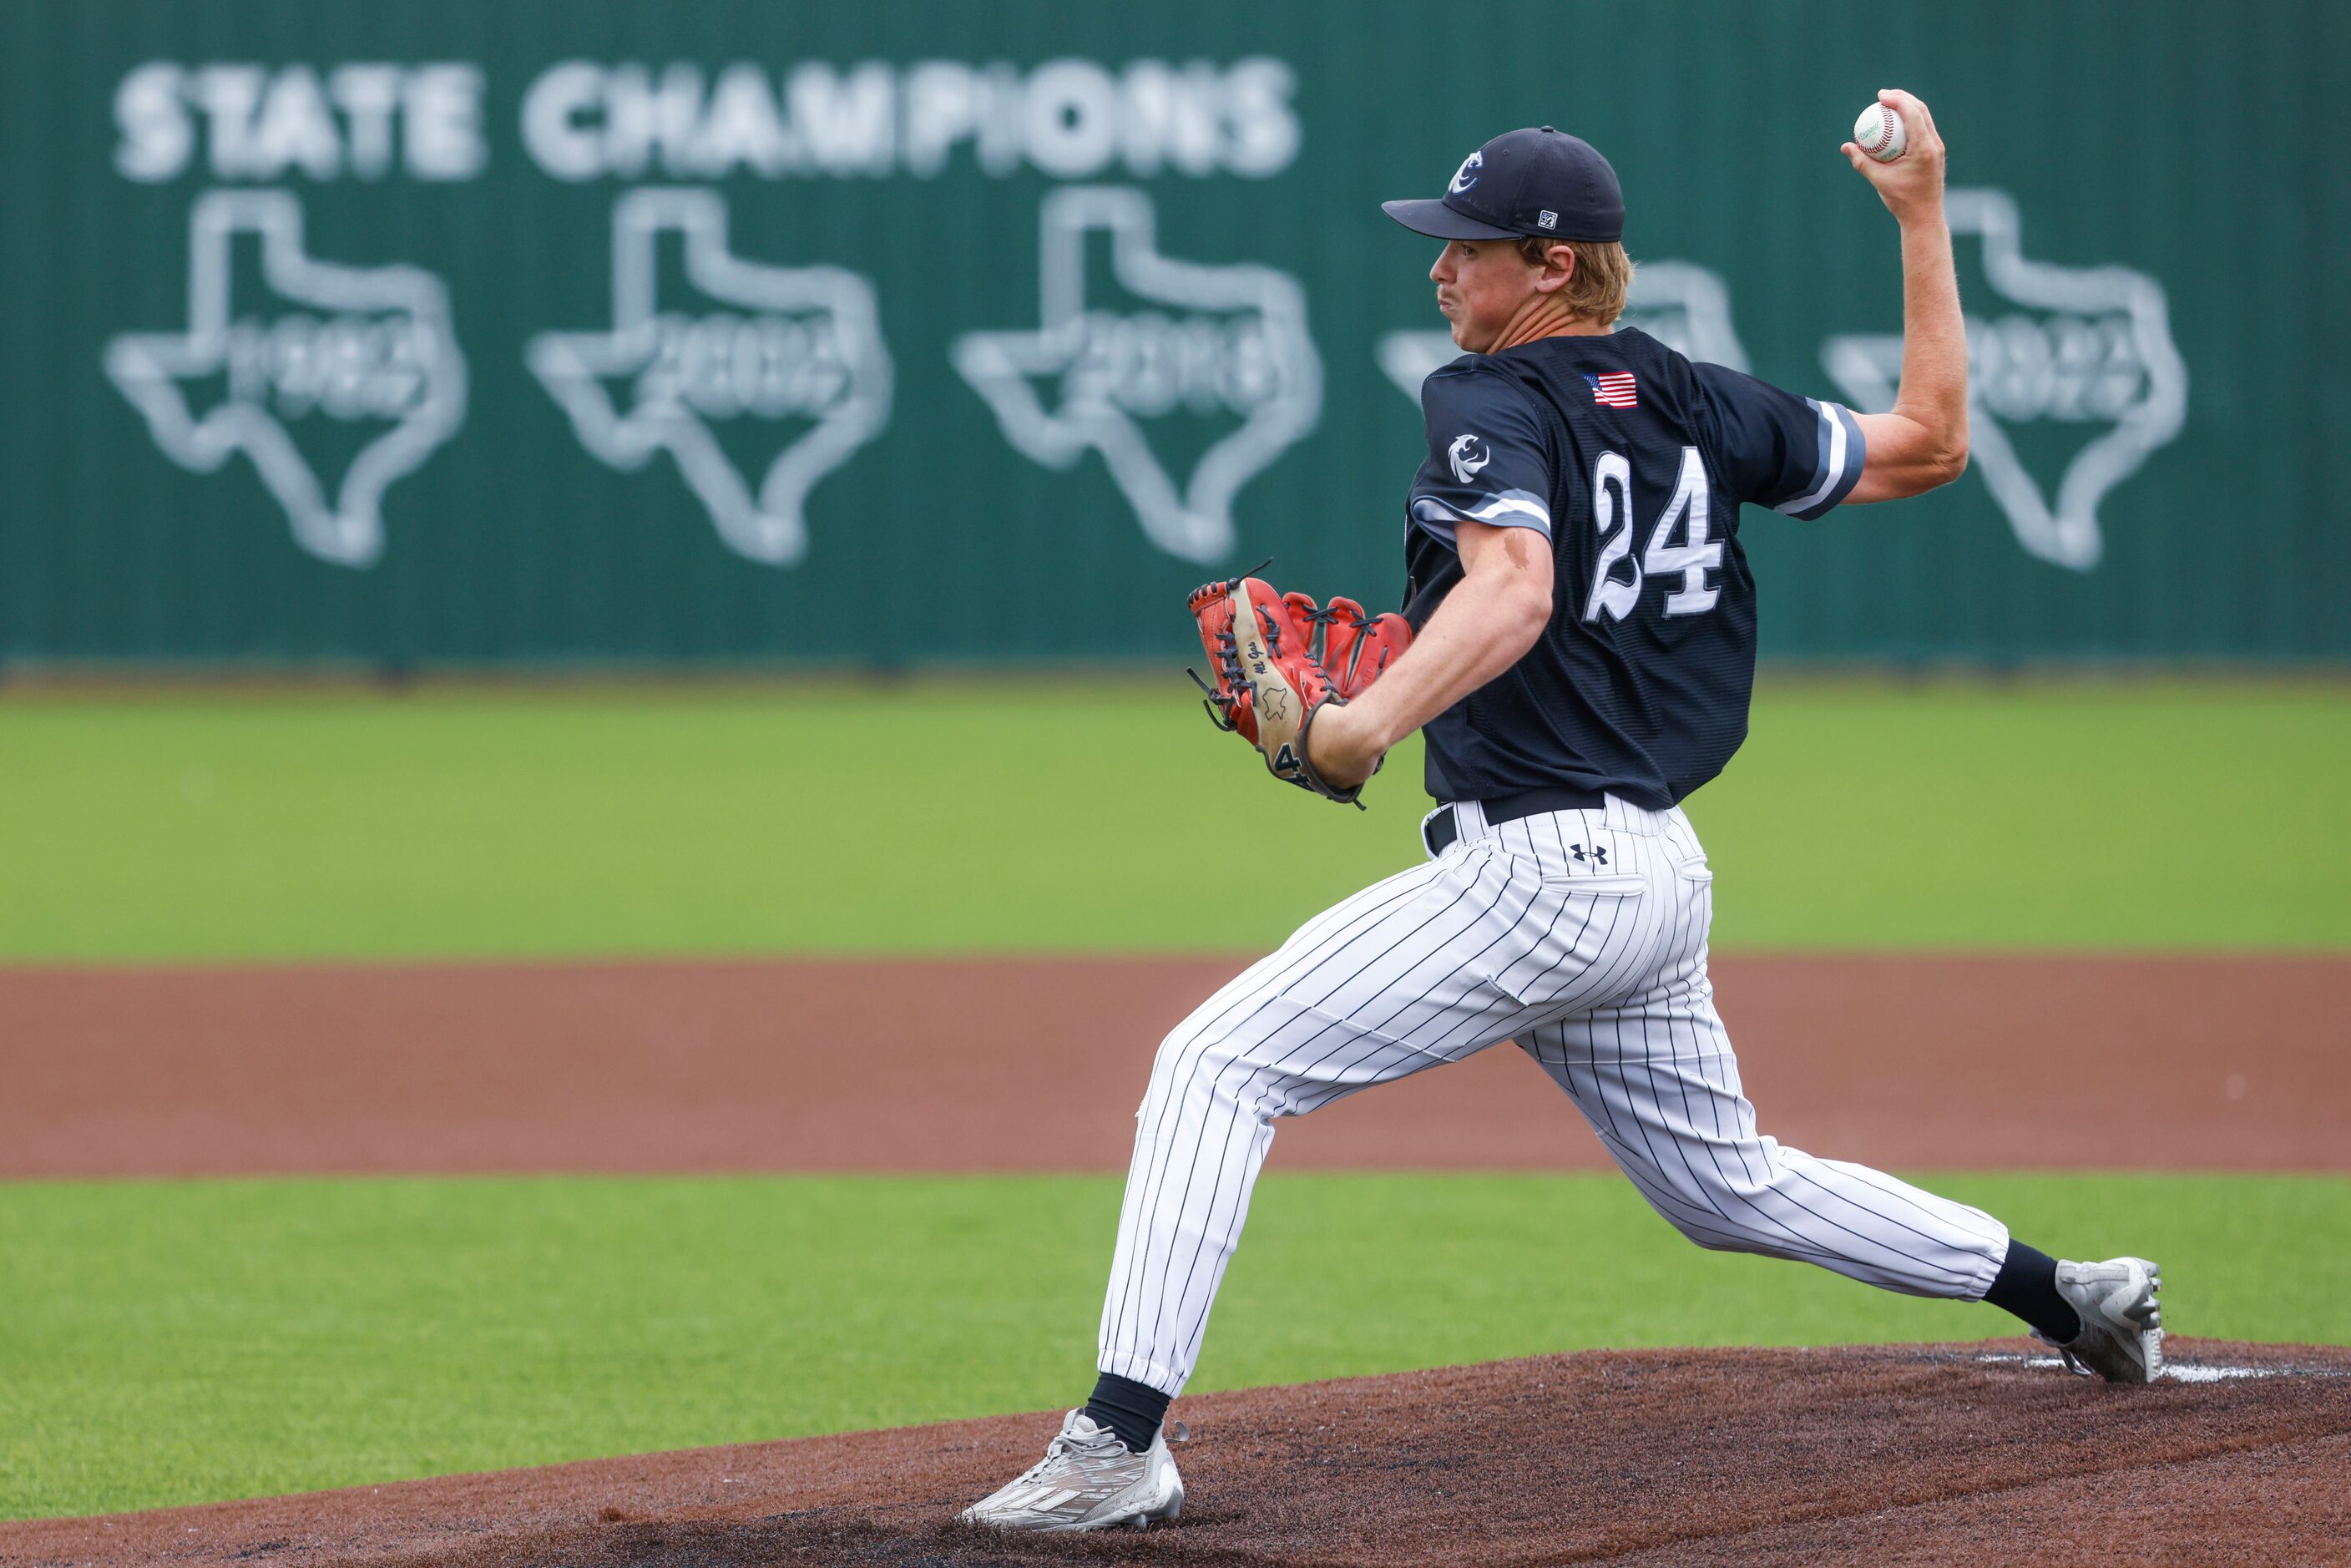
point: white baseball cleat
(1088, 1479)
(2122, 1323)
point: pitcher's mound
(1882, 1454)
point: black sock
(2027, 1286)
(1133, 1410)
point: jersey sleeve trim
(1510, 509)
(1837, 465)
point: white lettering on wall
(582, 120)
(360, 122)
(1071, 118)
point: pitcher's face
(1481, 285)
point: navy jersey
(1633, 462)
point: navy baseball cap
(1542, 181)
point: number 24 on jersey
(1688, 512)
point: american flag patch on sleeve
(1611, 389)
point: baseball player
(1577, 648)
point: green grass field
(177, 1342)
(168, 1343)
(937, 818)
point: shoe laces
(1101, 1440)
(1089, 1455)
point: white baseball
(1878, 132)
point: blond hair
(1603, 274)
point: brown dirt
(1745, 1457)
(2204, 1062)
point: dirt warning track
(1880, 1455)
(1908, 1062)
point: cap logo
(1467, 175)
(1546, 219)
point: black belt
(1442, 828)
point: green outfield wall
(916, 330)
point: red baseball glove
(1279, 660)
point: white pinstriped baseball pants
(1581, 935)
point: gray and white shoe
(2122, 1321)
(1088, 1479)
